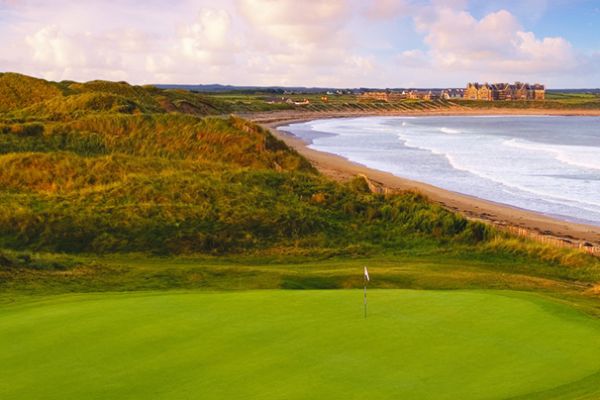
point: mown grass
(292, 345)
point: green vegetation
(258, 102)
(540, 105)
(18, 91)
(298, 345)
(99, 172)
(573, 97)
(178, 184)
(112, 188)
(103, 168)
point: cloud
(293, 21)
(298, 32)
(388, 9)
(496, 43)
(51, 46)
(292, 39)
(309, 42)
(413, 58)
(209, 39)
(61, 55)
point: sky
(327, 43)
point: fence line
(551, 240)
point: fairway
(297, 345)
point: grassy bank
(427, 269)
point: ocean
(547, 164)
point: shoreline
(290, 116)
(521, 221)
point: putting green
(298, 345)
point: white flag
(367, 274)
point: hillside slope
(24, 97)
(105, 167)
(173, 183)
(18, 91)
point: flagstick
(365, 279)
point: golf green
(298, 345)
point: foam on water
(546, 164)
(579, 156)
(449, 131)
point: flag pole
(366, 278)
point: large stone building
(504, 91)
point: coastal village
(473, 91)
(519, 91)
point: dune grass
(297, 345)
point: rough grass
(19, 91)
(25, 273)
(172, 184)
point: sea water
(548, 164)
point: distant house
(387, 96)
(377, 96)
(472, 91)
(539, 92)
(422, 95)
(504, 91)
(485, 92)
(449, 94)
(275, 100)
(396, 96)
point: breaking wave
(545, 164)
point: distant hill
(23, 95)
(218, 88)
(18, 91)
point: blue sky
(340, 43)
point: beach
(524, 222)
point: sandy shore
(342, 169)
